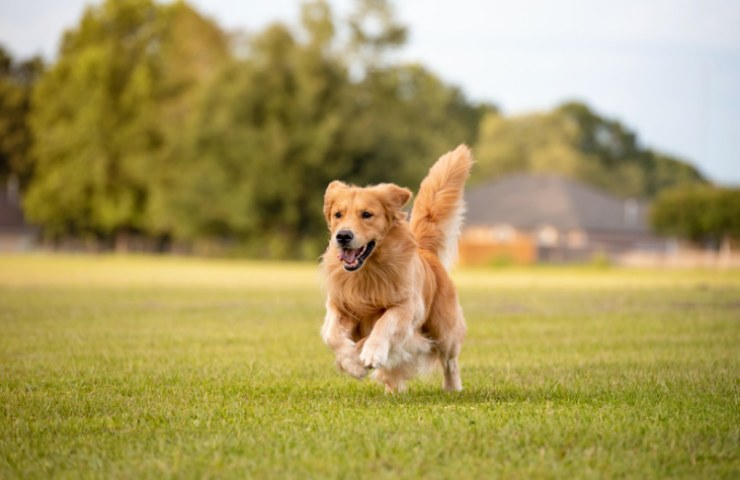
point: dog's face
(359, 218)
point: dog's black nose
(344, 237)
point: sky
(668, 69)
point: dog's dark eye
(366, 214)
(338, 215)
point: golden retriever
(391, 305)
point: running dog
(391, 306)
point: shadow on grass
(494, 395)
(618, 382)
(368, 394)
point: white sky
(669, 69)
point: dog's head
(359, 218)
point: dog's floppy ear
(395, 198)
(329, 195)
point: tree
(574, 141)
(193, 52)
(262, 136)
(633, 170)
(276, 126)
(374, 32)
(106, 111)
(403, 118)
(16, 83)
(699, 213)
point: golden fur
(391, 305)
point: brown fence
(521, 251)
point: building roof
(531, 201)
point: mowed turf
(138, 367)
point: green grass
(141, 367)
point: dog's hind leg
(449, 337)
(449, 352)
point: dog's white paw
(374, 355)
(352, 365)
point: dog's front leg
(395, 325)
(336, 333)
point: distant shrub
(600, 260)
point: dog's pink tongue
(348, 255)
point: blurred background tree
(703, 214)
(262, 142)
(108, 110)
(574, 141)
(276, 126)
(17, 79)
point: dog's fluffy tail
(439, 207)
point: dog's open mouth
(354, 258)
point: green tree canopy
(17, 79)
(698, 213)
(276, 126)
(574, 141)
(109, 107)
(264, 132)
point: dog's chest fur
(367, 294)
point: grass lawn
(140, 367)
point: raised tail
(439, 207)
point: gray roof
(531, 201)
